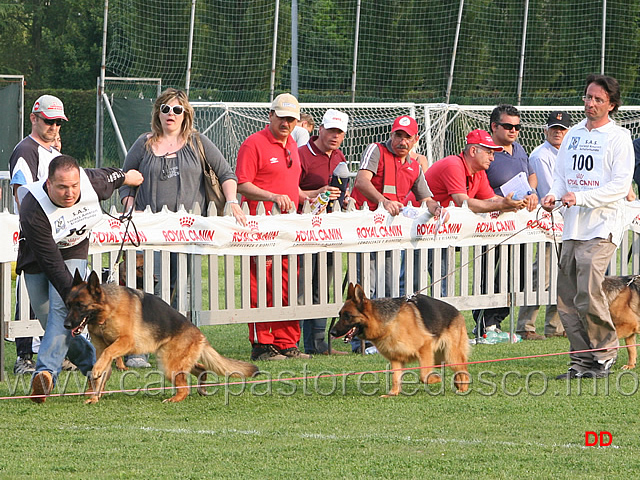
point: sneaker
(24, 366)
(293, 352)
(600, 369)
(41, 385)
(266, 352)
(67, 366)
(137, 362)
(492, 328)
(532, 336)
(571, 373)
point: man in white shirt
(543, 161)
(592, 178)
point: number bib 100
(584, 169)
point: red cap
(406, 124)
(482, 137)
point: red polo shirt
(262, 160)
(451, 175)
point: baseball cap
(49, 107)
(482, 137)
(406, 124)
(335, 119)
(559, 119)
(286, 105)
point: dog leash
(535, 224)
(127, 218)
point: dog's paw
(93, 399)
(389, 395)
(628, 367)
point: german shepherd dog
(122, 321)
(423, 329)
(623, 295)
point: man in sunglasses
(28, 163)
(268, 171)
(511, 161)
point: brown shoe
(265, 352)
(41, 386)
(334, 352)
(532, 336)
(293, 352)
(551, 335)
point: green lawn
(516, 421)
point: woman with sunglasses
(169, 159)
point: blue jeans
(51, 312)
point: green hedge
(79, 133)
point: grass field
(516, 421)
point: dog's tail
(215, 362)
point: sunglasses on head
(51, 121)
(176, 109)
(510, 126)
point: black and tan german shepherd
(423, 329)
(623, 295)
(124, 321)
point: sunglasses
(176, 109)
(510, 126)
(289, 159)
(51, 121)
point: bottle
(320, 203)
(491, 337)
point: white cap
(49, 107)
(335, 119)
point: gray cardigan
(173, 181)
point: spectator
(512, 160)
(28, 163)
(268, 170)
(303, 129)
(68, 198)
(543, 161)
(169, 157)
(593, 175)
(318, 158)
(388, 175)
(463, 178)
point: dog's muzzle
(78, 330)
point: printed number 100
(580, 162)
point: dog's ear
(94, 283)
(350, 291)
(77, 278)
(359, 298)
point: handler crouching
(56, 217)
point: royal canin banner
(357, 231)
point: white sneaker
(137, 362)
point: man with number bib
(56, 217)
(592, 177)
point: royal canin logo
(494, 215)
(114, 223)
(16, 238)
(187, 221)
(253, 225)
(316, 221)
(378, 218)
